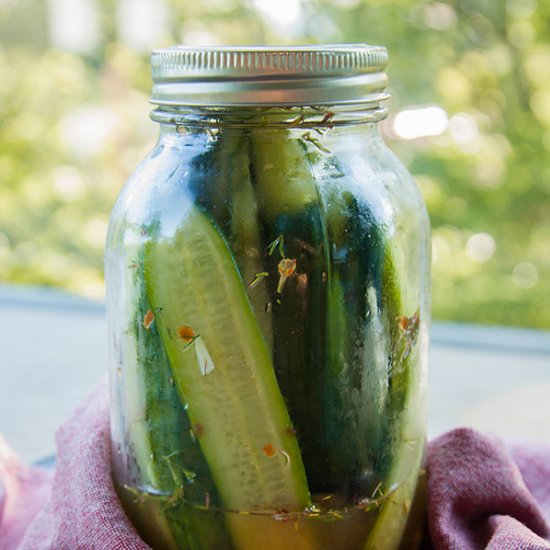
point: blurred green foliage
(73, 127)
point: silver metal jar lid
(239, 76)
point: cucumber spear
(223, 370)
(172, 468)
(296, 259)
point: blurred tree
(73, 127)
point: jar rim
(256, 76)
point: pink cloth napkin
(481, 494)
(82, 511)
(23, 492)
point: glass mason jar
(267, 272)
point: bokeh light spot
(525, 275)
(463, 128)
(439, 16)
(521, 8)
(282, 11)
(68, 183)
(480, 247)
(420, 122)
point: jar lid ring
(241, 76)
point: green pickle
(268, 303)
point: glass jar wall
(267, 275)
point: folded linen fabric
(479, 497)
(481, 494)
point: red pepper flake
(290, 431)
(187, 334)
(287, 268)
(408, 324)
(269, 450)
(148, 319)
(409, 328)
(403, 322)
(198, 429)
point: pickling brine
(267, 273)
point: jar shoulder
(372, 172)
(219, 175)
(155, 186)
